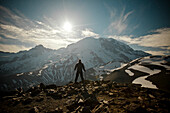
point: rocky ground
(97, 97)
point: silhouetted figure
(80, 67)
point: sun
(67, 26)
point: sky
(142, 24)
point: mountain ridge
(41, 64)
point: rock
(55, 95)
(42, 86)
(91, 101)
(99, 109)
(112, 94)
(52, 86)
(8, 97)
(135, 108)
(31, 89)
(151, 96)
(27, 101)
(58, 110)
(35, 92)
(86, 109)
(34, 110)
(104, 85)
(72, 106)
(106, 92)
(19, 89)
(72, 92)
(80, 101)
(15, 101)
(140, 98)
(105, 102)
(119, 99)
(39, 99)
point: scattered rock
(99, 97)
(39, 99)
(27, 101)
(58, 110)
(35, 92)
(112, 94)
(34, 110)
(86, 109)
(55, 95)
(104, 85)
(91, 101)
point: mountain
(40, 64)
(151, 71)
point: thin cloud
(89, 33)
(120, 23)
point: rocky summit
(95, 97)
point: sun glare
(67, 27)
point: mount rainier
(43, 65)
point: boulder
(42, 86)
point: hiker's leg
(77, 74)
(81, 75)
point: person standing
(79, 67)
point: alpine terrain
(151, 71)
(42, 65)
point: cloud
(12, 48)
(159, 38)
(18, 32)
(158, 52)
(89, 33)
(119, 24)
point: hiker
(80, 67)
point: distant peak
(39, 46)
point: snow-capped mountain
(151, 72)
(39, 64)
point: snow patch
(145, 83)
(129, 72)
(20, 74)
(142, 80)
(143, 69)
(30, 73)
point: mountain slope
(40, 64)
(151, 72)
